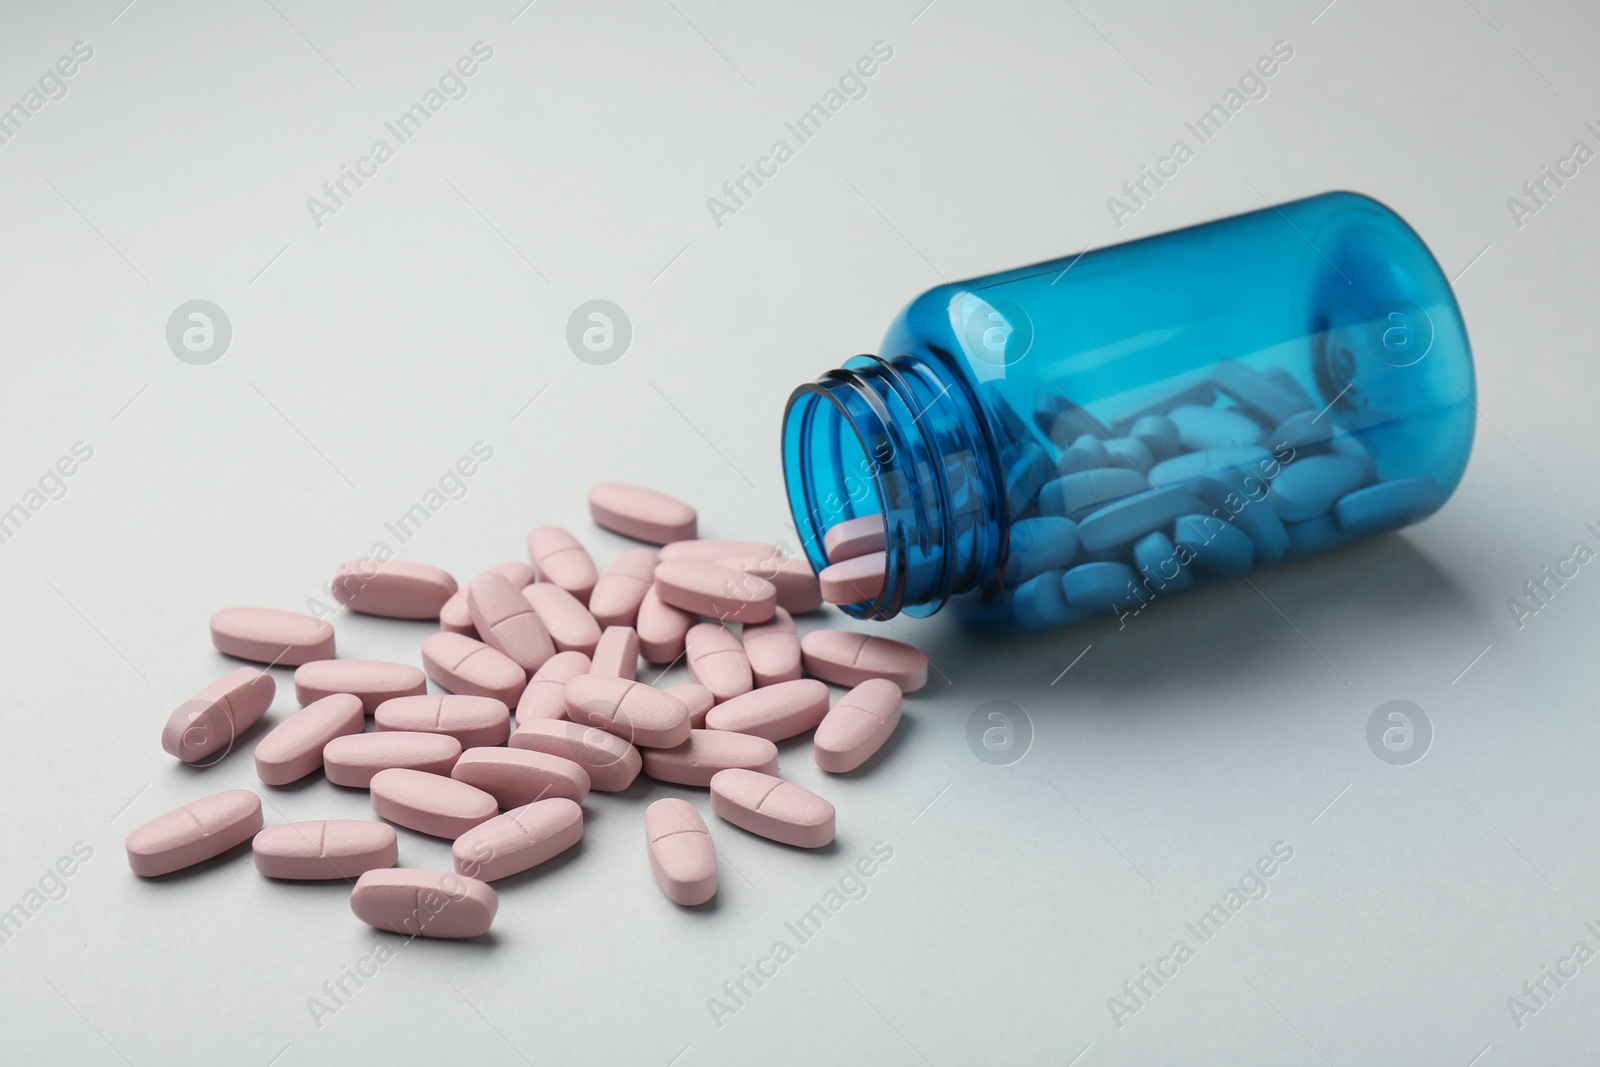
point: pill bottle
(1085, 436)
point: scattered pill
(859, 579)
(707, 752)
(518, 776)
(197, 831)
(857, 726)
(845, 657)
(325, 849)
(612, 763)
(519, 840)
(621, 589)
(1387, 504)
(682, 856)
(616, 655)
(424, 903)
(799, 592)
(462, 665)
(456, 618)
(1309, 486)
(661, 628)
(266, 635)
(559, 558)
(374, 681)
(775, 712)
(854, 537)
(1132, 517)
(772, 808)
(1101, 586)
(642, 514)
(351, 760)
(472, 720)
(430, 803)
(716, 592)
(568, 622)
(639, 714)
(710, 550)
(546, 695)
(698, 699)
(294, 747)
(394, 589)
(773, 649)
(506, 622)
(717, 660)
(214, 718)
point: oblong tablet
(616, 655)
(569, 623)
(424, 903)
(1201, 428)
(1033, 546)
(1075, 495)
(716, 592)
(559, 558)
(798, 589)
(707, 752)
(430, 803)
(473, 721)
(1193, 465)
(522, 838)
(661, 628)
(1309, 486)
(612, 763)
(507, 623)
(857, 726)
(197, 831)
(462, 665)
(374, 681)
(294, 747)
(854, 537)
(325, 849)
(717, 660)
(455, 618)
(621, 589)
(775, 712)
(773, 649)
(353, 759)
(847, 658)
(682, 857)
(394, 589)
(1102, 586)
(210, 721)
(697, 698)
(772, 808)
(1132, 517)
(711, 550)
(642, 514)
(518, 776)
(1213, 545)
(546, 695)
(854, 580)
(637, 713)
(266, 635)
(1387, 504)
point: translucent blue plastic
(1087, 435)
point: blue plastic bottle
(1087, 435)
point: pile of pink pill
(559, 643)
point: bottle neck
(903, 438)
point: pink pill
(546, 695)
(637, 713)
(717, 661)
(642, 514)
(374, 681)
(716, 592)
(775, 712)
(454, 616)
(617, 653)
(773, 649)
(844, 657)
(518, 776)
(854, 537)
(857, 726)
(519, 840)
(854, 580)
(461, 665)
(707, 752)
(424, 903)
(393, 589)
(559, 558)
(430, 803)
(571, 626)
(772, 808)
(507, 623)
(265, 635)
(612, 763)
(682, 856)
(709, 551)
(294, 747)
(791, 576)
(661, 629)
(353, 759)
(213, 719)
(473, 721)
(197, 831)
(621, 589)
(697, 698)
(325, 849)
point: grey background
(430, 312)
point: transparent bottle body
(1086, 436)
